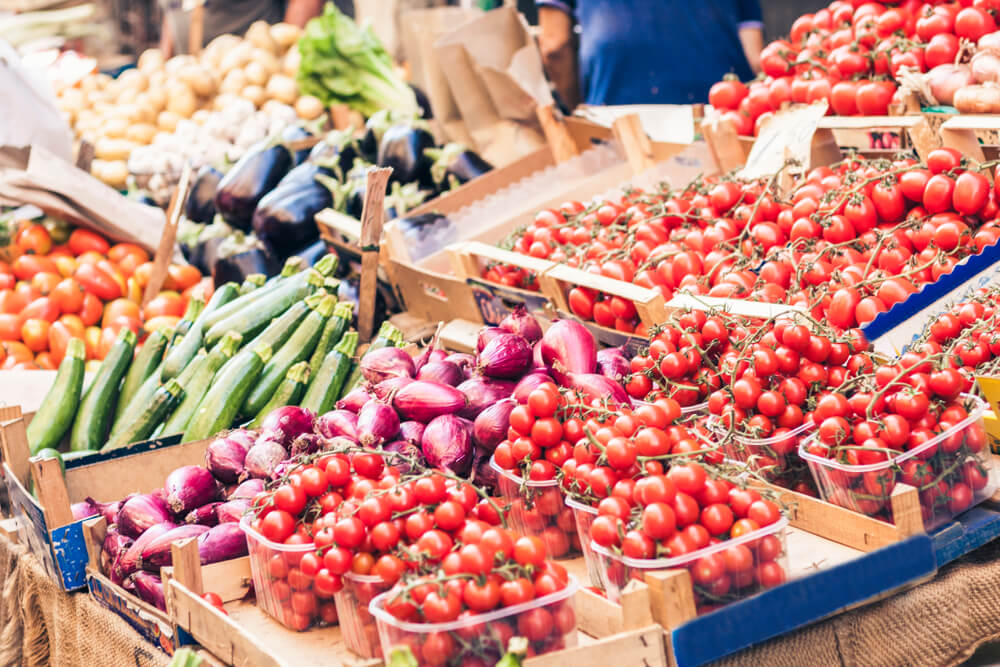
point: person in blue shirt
(647, 51)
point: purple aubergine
(189, 487)
(224, 458)
(447, 444)
(338, 423)
(377, 423)
(156, 553)
(223, 542)
(139, 513)
(482, 392)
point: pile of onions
(945, 80)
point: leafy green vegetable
(345, 64)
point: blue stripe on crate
(137, 448)
(972, 530)
(802, 601)
(70, 552)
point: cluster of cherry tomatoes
(849, 53)
(81, 288)
(967, 336)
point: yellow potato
(234, 82)
(109, 148)
(255, 73)
(167, 121)
(128, 96)
(308, 107)
(72, 99)
(102, 80)
(141, 133)
(135, 79)
(150, 60)
(177, 63)
(221, 44)
(282, 88)
(201, 116)
(236, 58)
(290, 63)
(157, 79)
(259, 34)
(255, 94)
(285, 34)
(267, 60)
(87, 84)
(112, 172)
(115, 127)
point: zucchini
(218, 409)
(275, 301)
(288, 392)
(333, 330)
(279, 330)
(94, 417)
(184, 349)
(197, 383)
(252, 282)
(194, 309)
(297, 348)
(146, 361)
(55, 416)
(137, 404)
(327, 384)
(163, 399)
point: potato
(72, 99)
(131, 112)
(201, 116)
(167, 121)
(255, 73)
(114, 89)
(236, 58)
(128, 96)
(222, 44)
(112, 172)
(199, 79)
(134, 79)
(181, 100)
(157, 79)
(224, 100)
(150, 60)
(259, 34)
(282, 88)
(114, 127)
(255, 94)
(290, 63)
(285, 34)
(267, 60)
(177, 63)
(141, 133)
(109, 148)
(88, 84)
(234, 82)
(308, 107)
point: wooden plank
(556, 135)
(983, 121)
(724, 143)
(187, 564)
(636, 606)
(596, 615)
(196, 30)
(642, 647)
(165, 251)
(735, 306)
(906, 514)
(469, 253)
(649, 299)
(867, 122)
(372, 217)
(16, 451)
(635, 142)
(94, 532)
(9, 529)
(671, 597)
(50, 488)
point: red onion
(247, 489)
(522, 323)
(481, 393)
(466, 362)
(444, 372)
(232, 511)
(567, 347)
(412, 432)
(189, 487)
(264, 457)
(128, 562)
(286, 423)
(139, 513)
(593, 386)
(437, 355)
(422, 401)
(483, 473)
(110, 510)
(612, 364)
(83, 510)
(377, 423)
(354, 400)
(114, 545)
(447, 444)
(223, 542)
(149, 588)
(403, 448)
(206, 515)
(244, 436)
(385, 363)
(156, 552)
(307, 443)
(224, 457)
(383, 390)
(490, 427)
(536, 357)
(507, 356)
(338, 422)
(529, 383)
(486, 334)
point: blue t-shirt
(658, 51)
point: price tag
(788, 134)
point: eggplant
(301, 176)
(402, 198)
(423, 102)
(295, 133)
(377, 124)
(241, 255)
(206, 246)
(455, 165)
(187, 237)
(353, 191)
(252, 177)
(313, 252)
(284, 217)
(338, 151)
(200, 204)
(402, 148)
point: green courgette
(97, 407)
(229, 389)
(163, 399)
(326, 385)
(197, 384)
(297, 348)
(55, 416)
(196, 305)
(183, 350)
(146, 361)
(332, 332)
(252, 282)
(288, 392)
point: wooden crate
(649, 303)
(977, 136)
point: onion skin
(114, 545)
(507, 356)
(139, 513)
(83, 509)
(945, 80)
(521, 322)
(984, 98)
(377, 423)
(412, 432)
(223, 542)
(985, 67)
(567, 347)
(110, 510)
(189, 487)
(486, 334)
(404, 448)
(483, 473)
(149, 588)
(128, 562)
(156, 552)
(443, 372)
(612, 364)
(338, 423)
(206, 515)
(464, 361)
(354, 400)
(989, 43)
(597, 387)
(247, 489)
(264, 457)
(384, 390)
(490, 427)
(232, 511)
(387, 362)
(286, 423)
(423, 401)
(481, 393)
(529, 383)
(437, 355)
(224, 458)
(307, 443)
(447, 444)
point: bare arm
(300, 11)
(166, 38)
(555, 40)
(752, 39)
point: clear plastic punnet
(720, 573)
(584, 515)
(537, 508)
(951, 472)
(775, 459)
(547, 622)
(357, 625)
(282, 590)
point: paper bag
(28, 108)
(495, 75)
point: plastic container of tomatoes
(721, 573)
(282, 590)
(953, 472)
(357, 624)
(538, 508)
(547, 622)
(583, 516)
(775, 459)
